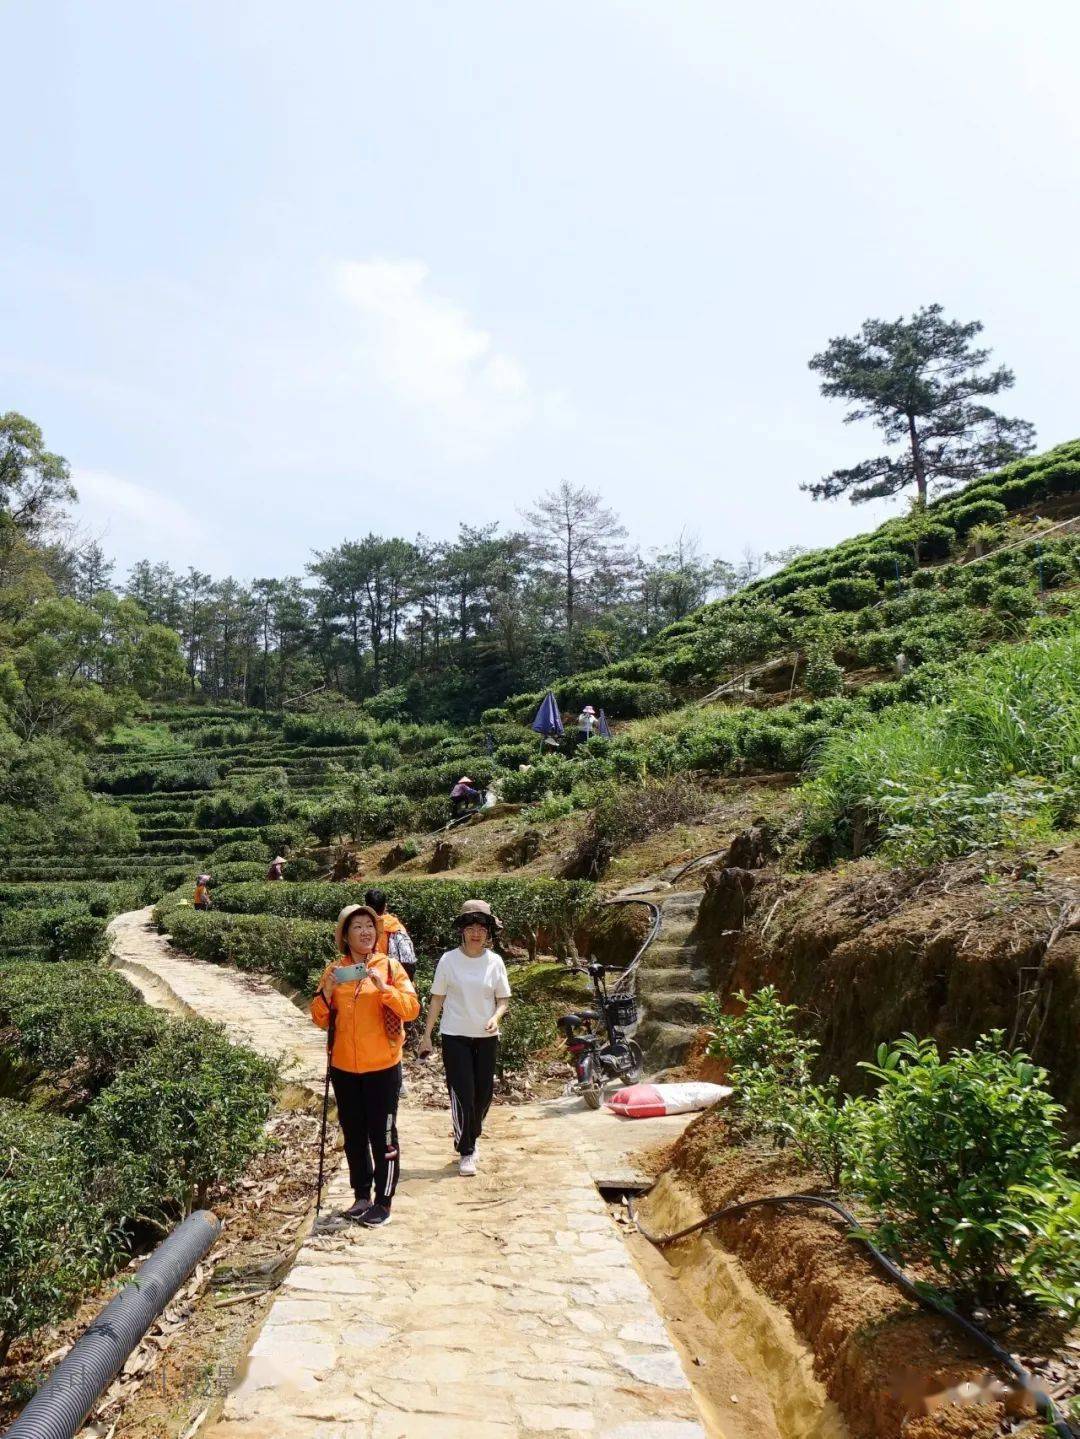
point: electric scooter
(598, 1041)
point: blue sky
(273, 275)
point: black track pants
(367, 1109)
(470, 1078)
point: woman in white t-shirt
(471, 992)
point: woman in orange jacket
(365, 1015)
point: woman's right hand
(424, 1047)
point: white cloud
(431, 354)
(130, 516)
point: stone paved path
(252, 1010)
(502, 1307)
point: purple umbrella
(547, 719)
(603, 729)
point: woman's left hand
(492, 1026)
(378, 981)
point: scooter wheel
(589, 1086)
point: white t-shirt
(471, 989)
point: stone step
(664, 1044)
(687, 901)
(668, 951)
(663, 981)
(674, 1007)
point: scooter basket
(622, 1011)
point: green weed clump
(994, 763)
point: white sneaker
(467, 1166)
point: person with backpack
(201, 898)
(364, 1000)
(394, 938)
(470, 993)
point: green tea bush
(769, 1064)
(428, 814)
(527, 1032)
(1063, 478)
(55, 1242)
(358, 809)
(1012, 603)
(552, 774)
(533, 911)
(851, 594)
(223, 736)
(888, 564)
(144, 776)
(64, 932)
(978, 512)
(294, 950)
(77, 1023)
(1047, 1217)
(95, 897)
(944, 1147)
(252, 850)
(180, 1120)
(509, 756)
(252, 805)
(823, 675)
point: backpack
(403, 950)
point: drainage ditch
(752, 1375)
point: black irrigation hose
(1043, 1403)
(693, 864)
(625, 981)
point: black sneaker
(357, 1210)
(376, 1215)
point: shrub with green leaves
(293, 950)
(254, 804)
(55, 1242)
(180, 1120)
(1046, 1217)
(78, 1023)
(823, 675)
(769, 1064)
(533, 911)
(948, 1151)
(527, 1031)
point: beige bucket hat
(343, 923)
(473, 909)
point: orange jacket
(361, 1043)
(388, 924)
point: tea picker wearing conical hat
(470, 993)
(586, 723)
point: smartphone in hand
(350, 972)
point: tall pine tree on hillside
(922, 383)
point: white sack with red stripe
(646, 1101)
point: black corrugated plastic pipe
(59, 1407)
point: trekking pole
(325, 1107)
